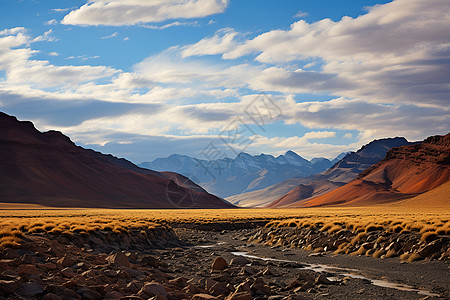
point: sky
(144, 79)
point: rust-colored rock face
(405, 172)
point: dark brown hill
(49, 169)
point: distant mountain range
(225, 177)
(405, 172)
(49, 169)
(300, 189)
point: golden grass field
(16, 222)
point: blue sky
(146, 79)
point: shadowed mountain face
(405, 172)
(49, 169)
(225, 176)
(293, 190)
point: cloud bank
(131, 12)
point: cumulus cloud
(221, 42)
(16, 60)
(131, 12)
(396, 52)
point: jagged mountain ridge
(225, 176)
(340, 173)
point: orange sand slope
(405, 172)
(436, 198)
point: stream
(341, 272)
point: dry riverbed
(205, 262)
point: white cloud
(131, 12)
(173, 24)
(221, 42)
(301, 14)
(397, 52)
(47, 37)
(348, 136)
(60, 9)
(51, 22)
(53, 53)
(126, 38)
(110, 36)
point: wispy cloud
(126, 12)
(110, 36)
(301, 14)
(173, 24)
(60, 9)
(51, 22)
(83, 57)
(47, 36)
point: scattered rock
(153, 289)
(51, 296)
(246, 270)
(321, 279)
(240, 296)
(7, 287)
(66, 261)
(219, 264)
(204, 297)
(28, 270)
(150, 261)
(239, 261)
(68, 272)
(29, 289)
(119, 260)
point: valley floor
(213, 260)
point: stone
(239, 261)
(204, 297)
(51, 296)
(243, 287)
(68, 272)
(321, 279)
(7, 287)
(29, 289)
(66, 261)
(219, 288)
(28, 270)
(259, 287)
(26, 259)
(240, 296)
(153, 289)
(270, 271)
(70, 294)
(219, 264)
(150, 261)
(246, 270)
(89, 294)
(430, 249)
(113, 295)
(119, 260)
(209, 283)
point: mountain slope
(438, 197)
(49, 169)
(341, 172)
(404, 173)
(245, 173)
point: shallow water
(342, 272)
